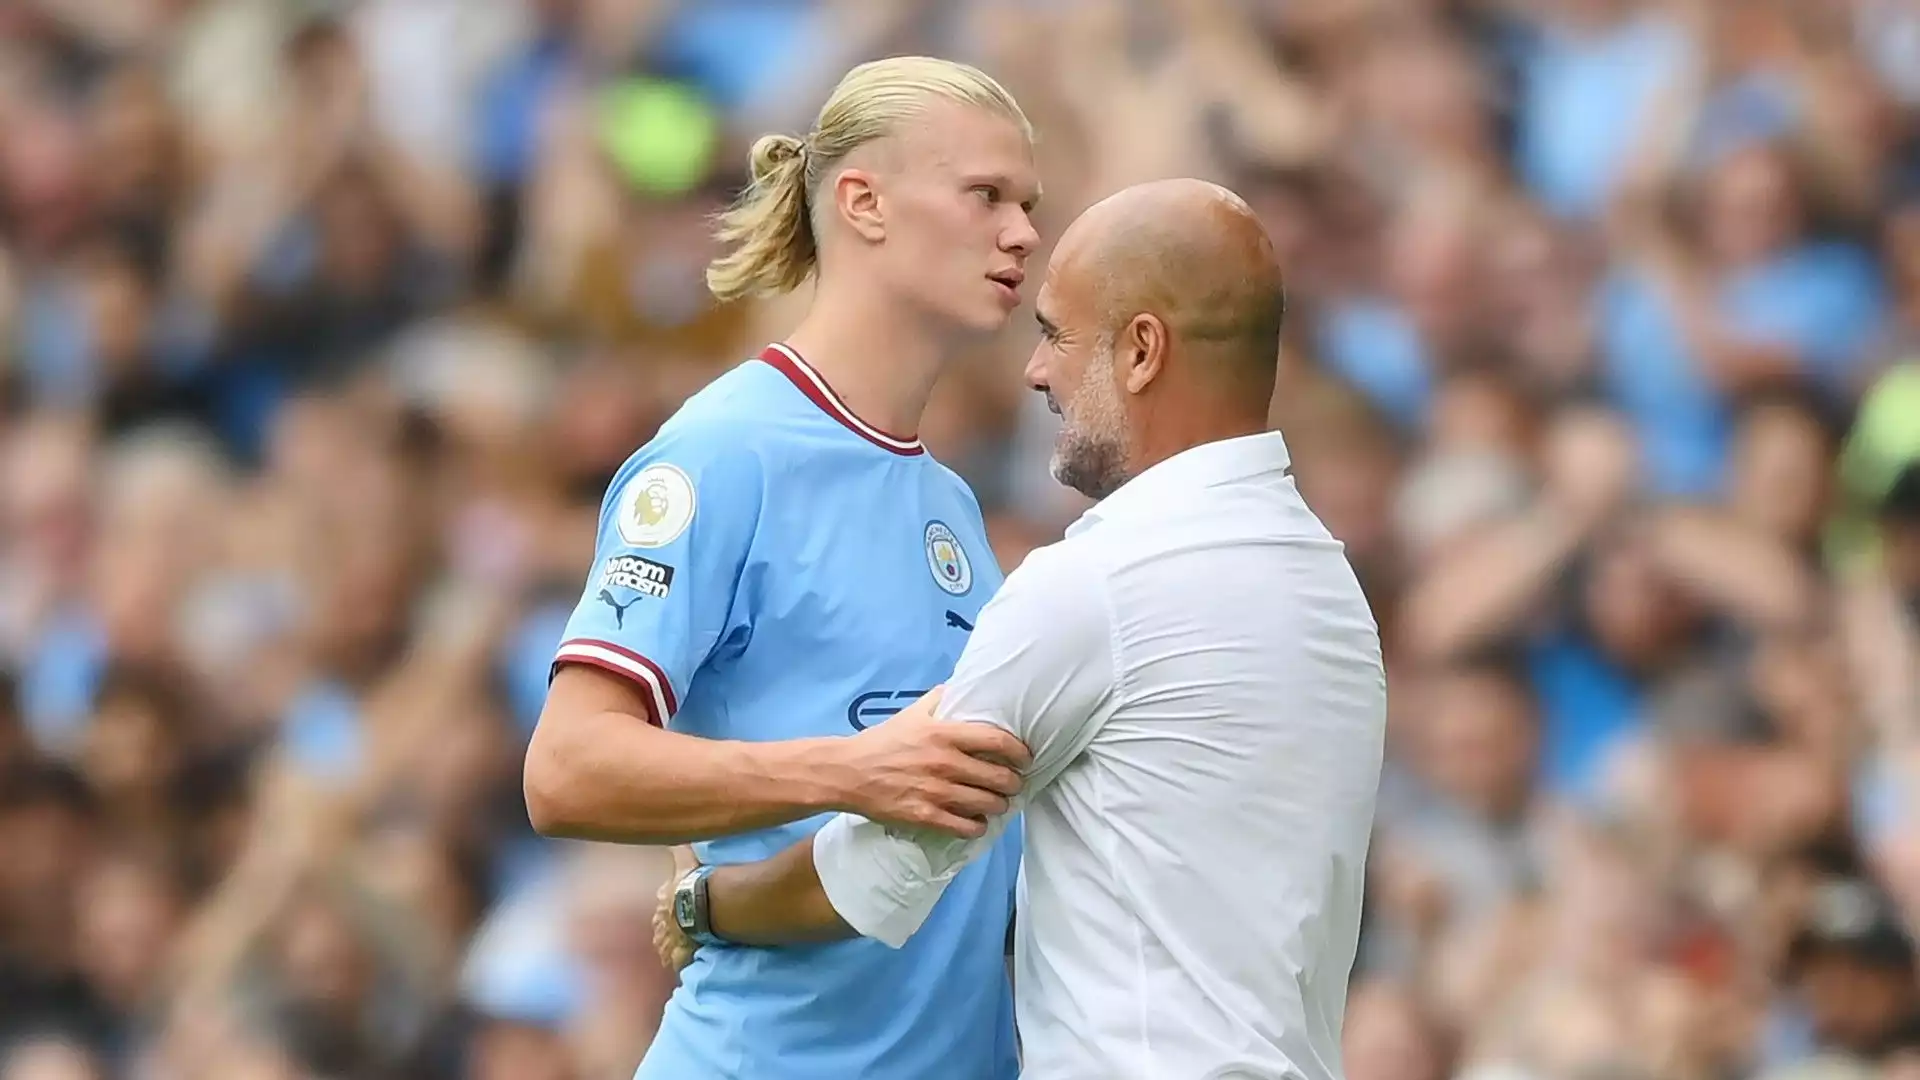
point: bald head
(1189, 254)
(1159, 330)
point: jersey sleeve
(1039, 664)
(675, 530)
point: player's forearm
(777, 901)
(616, 779)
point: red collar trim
(810, 383)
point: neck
(877, 356)
(1175, 427)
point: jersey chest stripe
(610, 657)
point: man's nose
(1022, 238)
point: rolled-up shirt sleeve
(1040, 664)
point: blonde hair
(768, 233)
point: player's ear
(1141, 350)
(857, 199)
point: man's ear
(1142, 350)
(856, 197)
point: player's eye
(988, 193)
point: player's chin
(988, 319)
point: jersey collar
(814, 386)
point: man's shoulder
(745, 420)
(736, 407)
(754, 409)
(947, 479)
(1070, 569)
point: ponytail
(767, 232)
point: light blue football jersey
(771, 567)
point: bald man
(1195, 671)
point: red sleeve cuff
(607, 656)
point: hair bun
(771, 152)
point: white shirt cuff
(881, 885)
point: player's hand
(923, 772)
(674, 948)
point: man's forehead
(1067, 276)
(1044, 304)
(1070, 252)
(1063, 296)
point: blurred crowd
(324, 324)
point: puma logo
(955, 619)
(619, 609)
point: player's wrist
(692, 909)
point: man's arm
(679, 525)
(598, 769)
(777, 901)
(1040, 665)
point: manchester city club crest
(948, 560)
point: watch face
(683, 908)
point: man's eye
(988, 193)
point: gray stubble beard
(1091, 457)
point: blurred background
(324, 325)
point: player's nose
(1020, 238)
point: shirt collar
(1206, 465)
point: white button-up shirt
(1199, 679)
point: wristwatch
(690, 912)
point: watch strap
(691, 910)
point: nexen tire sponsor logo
(876, 705)
(644, 576)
